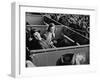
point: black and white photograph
(56, 39)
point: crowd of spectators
(79, 23)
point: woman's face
(37, 35)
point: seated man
(37, 42)
(49, 35)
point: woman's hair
(33, 31)
(50, 25)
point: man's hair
(50, 25)
(65, 59)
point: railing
(56, 49)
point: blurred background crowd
(79, 23)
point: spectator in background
(65, 59)
(79, 59)
(54, 17)
(72, 59)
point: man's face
(52, 29)
(37, 35)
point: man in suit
(49, 35)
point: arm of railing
(71, 40)
(56, 49)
